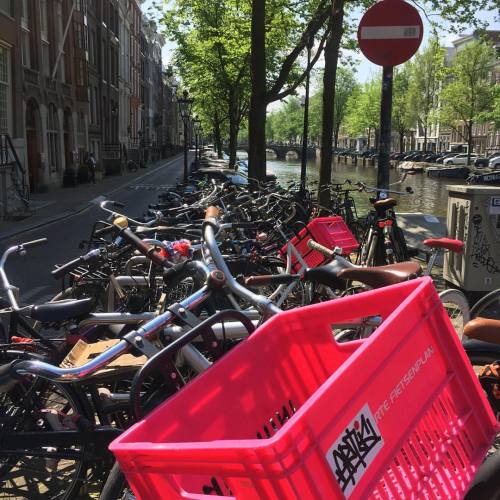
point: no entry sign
(390, 32)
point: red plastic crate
(328, 231)
(291, 414)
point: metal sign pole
(385, 129)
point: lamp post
(196, 127)
(185, 104)
(200, 149)
(303, 165)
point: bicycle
(383, 242)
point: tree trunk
(401, 141)
(217, 136)
(425, 139)
(233, 142)
(469, 141)
(369, 135)
(336, 136)
(329, 79)
(257, 114)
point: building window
(80, 73)
(25, 14)
(7, 6)
(25, 46)
(44, 20)
(46, 59)
(53, 138)
(5, 90)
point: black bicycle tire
(482, 303)
(76, 402)
(486, 483)
(115, 484)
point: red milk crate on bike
(292, 414)
(328, 231)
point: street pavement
(69, 220)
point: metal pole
(63, 41)
(385, 129)
(303, 165)
(185, 151)
(195, 147)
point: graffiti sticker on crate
(355, 449)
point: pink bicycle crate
(328, 231)
(292, 414)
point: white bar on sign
(389, 32)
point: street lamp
(200, 148)
(303, 165)
(196, 127)
(185, 105)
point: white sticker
(389, 32)
(431, 218)
(355, 449)
(494, 205)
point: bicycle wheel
(457, 308)
(486, 483)
(116, 487)
(41, 472)
(488, 306)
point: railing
(49, 83)
(31, 76)
(111, 152)
(8, 156)
(66, 89)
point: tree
(281, 30)
(425, 84)
(344, 87)
(403, 116)
(332, 47)
(468, 93)
(212, 57)
(363, 110)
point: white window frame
(8, 84)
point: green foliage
(287, 123)
(363, 108)
(403, 115)
(468, 96)
(426, 75)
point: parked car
(483, 162)
(445, 157)
(431, 158)
(495, 163)
(460, 159)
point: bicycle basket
(330, 232)
(291, 414)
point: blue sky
(365, 69)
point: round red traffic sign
(390, 32)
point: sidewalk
(60, 203)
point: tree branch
(318, 20)
(281, 95)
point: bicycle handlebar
(73, 264)
(314, 245)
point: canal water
(430, 195)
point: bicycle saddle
(324, 275)
(447, 243)
(378, 277)
(61, 310)
(484, 329)
(387, 203)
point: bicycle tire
(36, 471)
(116, 486)
(486, 483)
(488, 306)
(457, 307)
